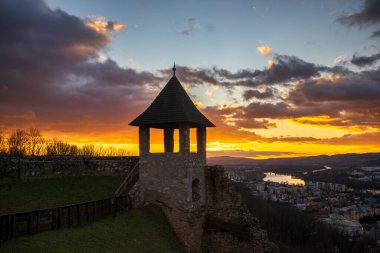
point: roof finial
(174, 69)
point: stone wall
(228, 225)
(31, 168)
(166, 179)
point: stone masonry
(44, 167)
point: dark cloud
(376, 34)
(249, 94)
(235, 117)
(292, 139)
(193, 26)
(371, 138)
(352, 100)
(242, 153)
(50, 74)
(244, 123)
(368, 14)
(358, 88)
(363, 61)
(285, 69)
(288, 68)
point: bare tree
(3, 148)
(18, 143)
(57, 147)
(88, 150)
(36, 142)
(74, 150)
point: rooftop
(171, 108)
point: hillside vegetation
(137, 231)
(18, 196)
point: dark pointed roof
(171, 108)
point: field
(137, 231)
(17, 196)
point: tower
(174, 180)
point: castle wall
(33, 168)
(228, 225)
(166, 179)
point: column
(184, 138)
(201, 141)
(169, 139)
(144, 139)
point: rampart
(44, 167)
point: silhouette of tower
(174, 180)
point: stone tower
(175, 180)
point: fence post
(11, 224)
(37, 221)
(29, 224)
(68, 216)
(53, 218)
(78, 214)
(94, 210)
(58, 212)
(87, 213)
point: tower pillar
(184, 138)
(201, 141)
(169, 139)
(144, 139)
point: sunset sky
(277, 78)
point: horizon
(289, 79)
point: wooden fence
(26, 223)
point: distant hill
(229, 160)
(367, 159)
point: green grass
(17, 196)
(138, 231)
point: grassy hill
(138, 231)
(17, 196)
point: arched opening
(195, 190)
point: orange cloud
(264, 50)
(101, 25)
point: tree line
(31, 143)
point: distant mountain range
(367, 159)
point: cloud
(249, 94)
(367, 15)
(51, 76)
(305, 92)
(243, 153)
(101, 25)
(339, 59)
(364, 139)
(192, 26)
(264, 50)
(234, 116)
(363, 61)
(285, 69)
(376, 34)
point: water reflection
(279, 178)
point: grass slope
(138, 231)
(17, 196)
